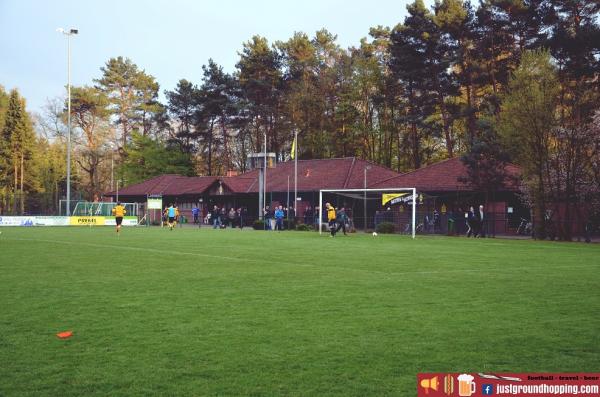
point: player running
(171, 213)
(119, 212)
(177, 214)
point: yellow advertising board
(87, 220)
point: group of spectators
(274, 217)
(475, 221)
(223, 217)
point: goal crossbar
(365, 191)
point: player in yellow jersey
(331, 216)
(177, 214)
(119, 212)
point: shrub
(258, 225)
(304, 228)
(385, 227)
(289, 224)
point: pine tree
(133, 95)
(17, 149)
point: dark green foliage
(385, 228)
(304, 228)
(486, 162)
(149, 157)
(289, 224)
(258, 224)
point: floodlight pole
(414, 212)
(295, 171)
(265, 168)
(365, 198)
(68, 33)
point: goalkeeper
(341, 219)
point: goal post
(397, 195)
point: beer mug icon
(466, 386)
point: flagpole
(295, 171)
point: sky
(170, 40)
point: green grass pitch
(243, 313)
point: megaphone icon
(431, 383)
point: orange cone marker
(65, 335)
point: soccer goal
(87, 208)
(367, 209)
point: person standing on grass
(331, 219)
(195, 213)
(308, 215)
(341, 219)
(223, 215)
(119, 212)
(171, 214)
(267, 216)
(215, 215)
(279, 215)
(165, 217)
(481, 220)
(177, 214)
(231, 217)
(470, 221)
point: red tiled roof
(242, 183)
(340, 173)
(168, 184)
(313, 175)
(441, 177)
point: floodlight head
(68, 32)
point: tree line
(497, 82)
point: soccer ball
(374, 234)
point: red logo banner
(508, 384)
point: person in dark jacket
(215, 216)
(268, 216)
(342, 220)
(470, 222)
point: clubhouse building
(440, 191)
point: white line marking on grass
(121, 247)
(261, 261)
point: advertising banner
(34, 220)
(393, 198)
(508, 384)
(127, 221)
(87, 221)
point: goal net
(394, 210)
(87, 208)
